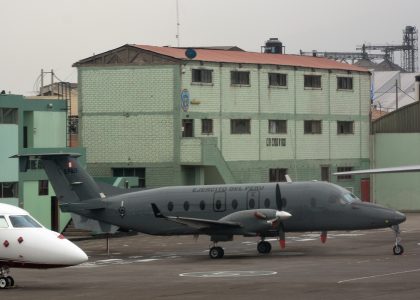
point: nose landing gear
(397, 249)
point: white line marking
(381, 275)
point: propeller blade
(282, 237)
(279, 200)
(323, 237)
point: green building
(222, 117)
(396, 142)
(31, 126)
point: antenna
(177, 23)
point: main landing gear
(6, 281)
(216, 252)
(264, 247)
(397, 249)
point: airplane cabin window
(170, 206)
(3, 222)
(202, 205)
(24, 221)
(251, 203)
(234, 204)
(218, 204)
(267, 203)
(186, 205)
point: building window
(140, 173)
(345, 83)
(277, 175)
(8, 116)
(277, 126)
(8, 189)
(207, 126)
(345, 127)
(312, 127)
(239, 77)
(42, 187)
(202, 76)
(240, 126)
(312, 81)
(344, 169)
(325, 173)
(187, 128)
(276, 79)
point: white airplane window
(24, 221)
(3, 222)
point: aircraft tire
(216, 252)
(11, 281)
(398, 250)
(264, 247)
(3, 283)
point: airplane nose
(78, 256)
(399, 217)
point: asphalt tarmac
(351, 265)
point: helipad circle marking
(218, 274)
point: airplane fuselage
(314, 206)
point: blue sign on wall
(185, 100)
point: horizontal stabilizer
(85, 205)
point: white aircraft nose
(78, 256)
(69, 254)
(283, 215)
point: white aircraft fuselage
(24, 243)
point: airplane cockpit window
(3, 222)
(349, 198)
(24, 221)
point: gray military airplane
(220, 211)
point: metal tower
(409, 57)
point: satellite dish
(190, 53)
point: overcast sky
(53, 34)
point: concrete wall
(402, 190)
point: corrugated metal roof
(254, 58)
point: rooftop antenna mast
(177, 23)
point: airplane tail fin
(70, 181)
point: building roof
(243, 57)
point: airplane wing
(411, 168)
(196, 223)
(78, 206)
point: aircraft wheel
(398, 250)
(10, 280)
(3, 283)
(216, 252)
(264, 247)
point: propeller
(283, 215)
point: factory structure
(176, 116)
(392, 81)
(396, 142)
